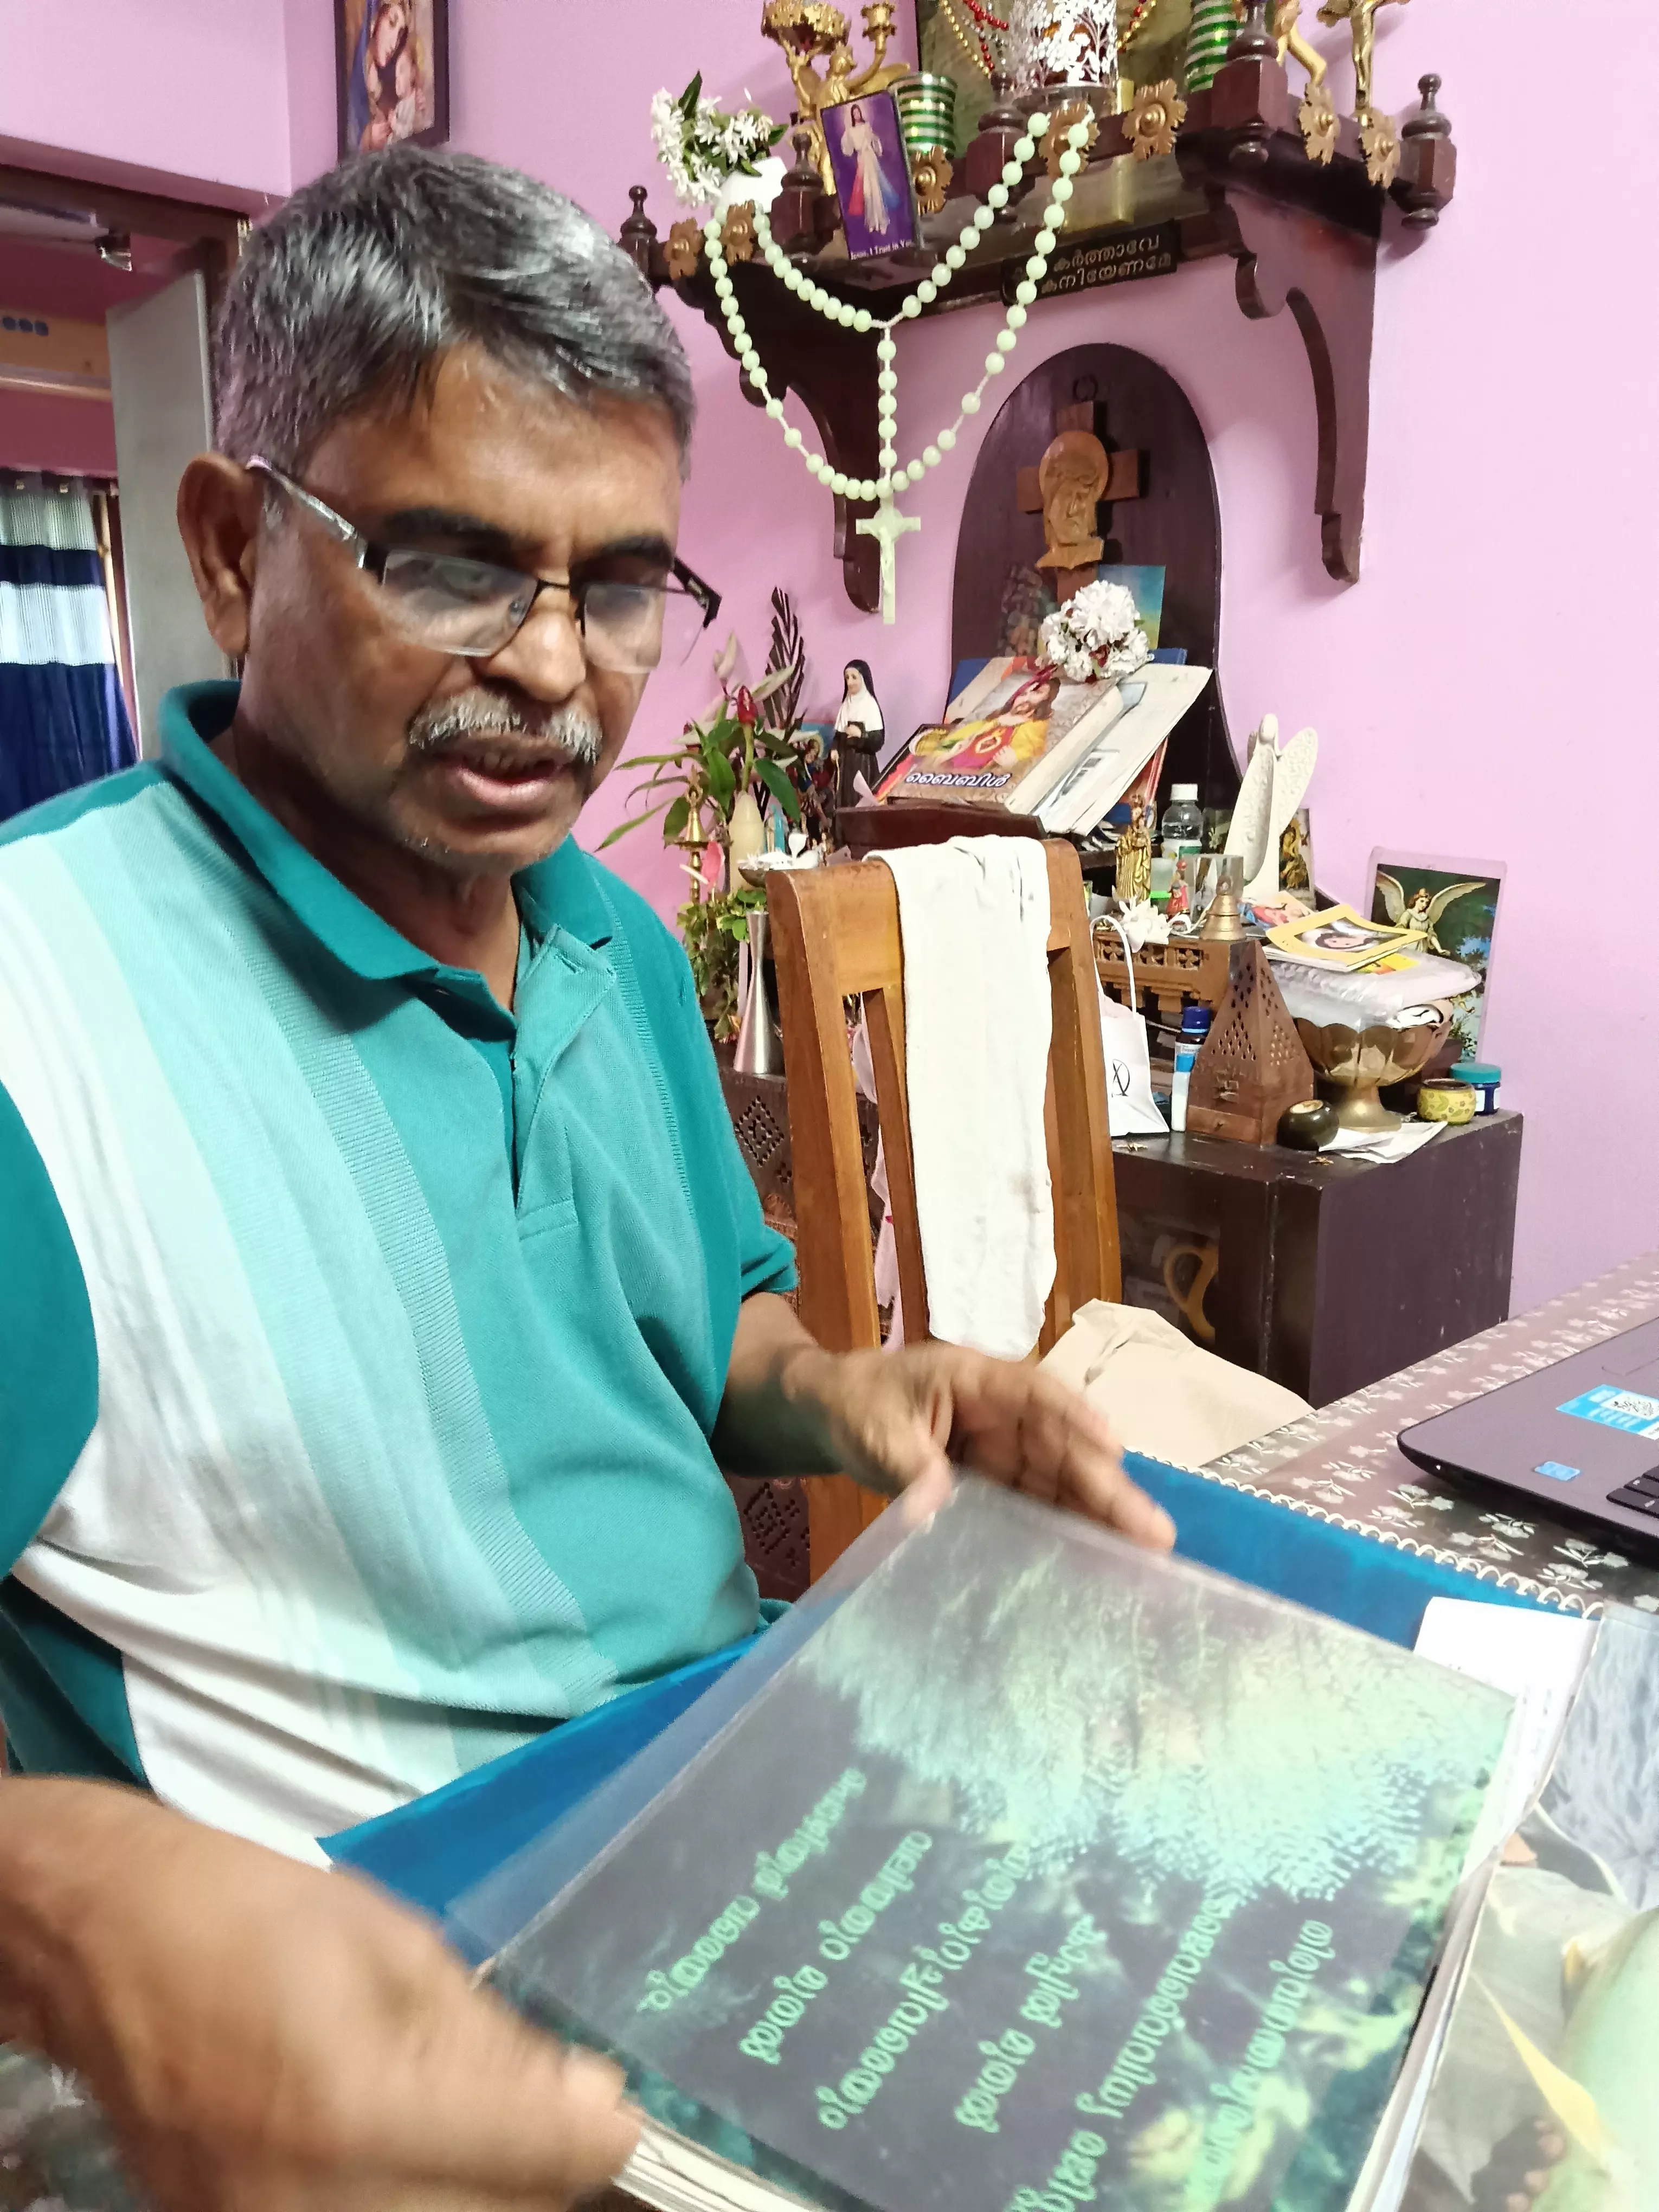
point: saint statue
(1133, 879)
(860, 732)
(1072, 477)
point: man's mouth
(506, 775)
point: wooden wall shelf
(1304, 235)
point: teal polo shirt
(360, 1342)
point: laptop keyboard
(1641, 1496)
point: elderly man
(383, 1292)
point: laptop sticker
(1557, 1471)
(1638, 1415)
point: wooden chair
(835, 936)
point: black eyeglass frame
(372, 555)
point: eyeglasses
(475, 608)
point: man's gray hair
(356, 285)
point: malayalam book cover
(1014, 722)
(1044, 1873)
(1544, 2093)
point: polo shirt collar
(563, 892)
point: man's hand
(264, 2035)
(898, 1419)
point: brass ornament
(1065, 119)
(1158, 113)
(737, 231)
(684, 247)
(1381, 142)
(1360, 16)
(812, 31)
(931, 172)
(1283, 17)
(1317, 117)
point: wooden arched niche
(1138, 408)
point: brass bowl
(1353, 1065)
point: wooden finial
(638, 235)
(1428, 164)
(803, 214)
(1254, 41)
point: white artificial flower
(1094, 635)
(700, 152)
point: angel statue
(1423, 910)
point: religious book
(1337, 937)
(1011, 729)
(1016, 1869)
(1018, 732)
(1154, 699)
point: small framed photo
(870, 166)
(392, 71)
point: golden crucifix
(1360, 16)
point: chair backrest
(835, 936)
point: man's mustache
(571, 730)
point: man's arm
(895, 1421)
(264, 2035)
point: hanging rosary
(888, 525)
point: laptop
(1579, 1440)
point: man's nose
(545, 657)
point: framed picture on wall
(391, 68)
(872, 169)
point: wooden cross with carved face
(1067, 487)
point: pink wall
(1471, 692)
(126, 91)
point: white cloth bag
(1131, 1109)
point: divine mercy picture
(871, 170)
(393, 72)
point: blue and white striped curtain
(63, 717)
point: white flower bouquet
(1094, 635)
(701, 147)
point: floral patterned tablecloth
(1344, 1466)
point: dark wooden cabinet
(1326, 1274)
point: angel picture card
(1455, 904)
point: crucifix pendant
(888, 526)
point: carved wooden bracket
(1305, 235)
(1326, 276)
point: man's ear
(219, 511)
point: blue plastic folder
(436, 1850)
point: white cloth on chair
(974, 919)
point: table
(1343, 1464)
(1323, 1273)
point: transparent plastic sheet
(1123, 1776)
(1551, 2057)
(531, 1881)
(56, 2149)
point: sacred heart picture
(871, 171)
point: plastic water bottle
(1181, 829)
